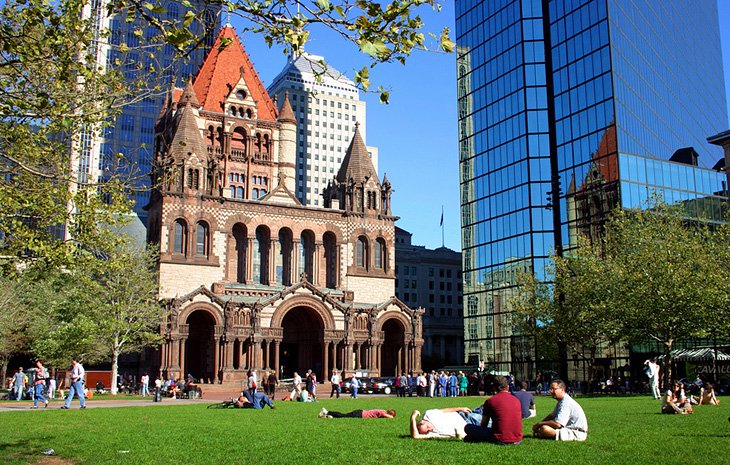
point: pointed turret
(188, 96)
(286, 114)
(357, 165)
(188, 140)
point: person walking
(77, 384)
(335, 380)
(52, 388)
(145, 380)
(296, 391)
(652, 371)
(354, 386)
(271, 383)
(39, 384)
(19, 383)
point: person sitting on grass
(527, 402)
(256, 401)
(377, 413)
(501, 418)
(708, 395)
(675, 401)
(567, 422)
(444, 423)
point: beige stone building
(251, 277)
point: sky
(416, 133)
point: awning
(701, 354)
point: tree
(666, 275)
(574, 307)
(14, 322)
(384, 32)
(104, 310)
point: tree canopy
(655, 276)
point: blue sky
(416, 133)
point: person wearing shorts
(567, 422)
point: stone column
(325, 358)
(182, 356)
(347, 357)
(316, 268)
(229, 354)
(272, 261)
(276, 359)
(265, 354)
(249, 259)
(295, 261)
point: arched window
(306, 254)
(262, 192)
(239, 192)
(233, 191)
(201, 239)
(379, 254)
(180, 237)
(329, 241)
(241, 243)
(255, 194)
(362, 252)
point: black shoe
(64, 407)
(83, 406)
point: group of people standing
(42, 384)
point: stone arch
(303, 301)
(393, 353)
(383, 317)
(215, 311)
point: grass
(622, 430)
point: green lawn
(622, 430)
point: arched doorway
(391, 354)
(301, 346)
(200, 346)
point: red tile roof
(221, 70)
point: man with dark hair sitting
(567, 422)
(501, 418)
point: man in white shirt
(652, 371)
(145, 380)
(567, 422)
(297, 389)
(443, 423)
(77, 384)
(335, 380)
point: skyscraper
(567, 109)
(327, 106)
(127, 47)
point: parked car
(382, 385)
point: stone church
(251, 278)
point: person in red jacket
(501, 419)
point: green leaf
(323, 4)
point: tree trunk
(115, 366)
(4, 368)
(667, 368)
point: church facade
(252, 279)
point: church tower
(252, 279)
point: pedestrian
(52, 388)
(311, 384)
(252, 382)
(77, 384)
(39, 384)
(453, 385)
(354, 386)
(652, 371)
(271, 383)
(145, 380)
(19, 383)
(422, 384)
(431, 383)
(296, 391)
(335, 380)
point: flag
(442, 217)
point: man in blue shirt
(527, 402)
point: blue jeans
(145, 389)
(77, 388)
(258, 400)
(38, 390)
(476, 433)
(18, 392)
(354, 392)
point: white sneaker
(323, 413)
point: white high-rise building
(327, 107)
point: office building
(327, 106)
(568, 109)
(150, 67)
(431, 279)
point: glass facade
(567, 109)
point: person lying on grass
(443, 423)
(257, 401)
(377, 413)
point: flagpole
(442, 225)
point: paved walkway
(12, 406)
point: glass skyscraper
(567, 109)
